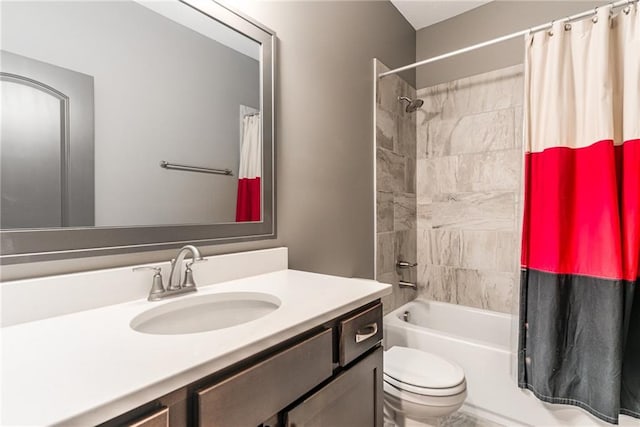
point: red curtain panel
(248, 205)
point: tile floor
(457, 419)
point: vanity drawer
(359, 333)
(255, 394)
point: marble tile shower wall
(395, 187)
(468, 180)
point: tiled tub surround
(395, 186)
(467, 189)
(67, 362)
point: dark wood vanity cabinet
(329, 376)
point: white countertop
(86, 367)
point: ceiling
(422, 13)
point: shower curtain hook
(595, 16)
(567, 24)
(551, 29)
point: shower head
(412, 104)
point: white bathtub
(479, 341)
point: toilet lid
(421, 369)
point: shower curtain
(580, 303)
(249, 186)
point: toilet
(420, 386)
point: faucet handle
(188, 274)
(157, 287)
(405, 264)
(155, 268)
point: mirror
(132, 125)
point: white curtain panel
(251, 148)
(581, 87)
(245, 110)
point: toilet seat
(425, 391)
(422, 373)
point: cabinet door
(353, 399)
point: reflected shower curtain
(249, 186)
(580, 303)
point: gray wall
(324, 135)
(173, 102)
(492, 20)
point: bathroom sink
(205, 313)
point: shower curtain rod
(542, 27)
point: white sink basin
(205, 313)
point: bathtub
(479, 341)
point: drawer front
(250, 397)
(157, 419)
(360, 333)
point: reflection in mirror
(127, 114)
(149, 125)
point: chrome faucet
(178, 283)
(176, 280)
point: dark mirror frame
(31, 245)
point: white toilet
(421, 386)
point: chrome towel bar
(176, 166)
